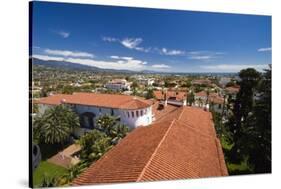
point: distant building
(118, 85)
(201, 82)
(224, 80)
(130, 110)
(146, 81)
(204, 101)
(232, 90)
(177, 98)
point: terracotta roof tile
(53, 99)
(182, 145)
(170, 94)
(102, 100)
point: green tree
(240, 118)
(48, 182)
(55, 125)
(93, 145)
(112, 128)
(149, 94)
(257, 136)
(190, 98)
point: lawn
(48, 169)
(234, 168)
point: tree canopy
(55, 125)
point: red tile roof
(53, 99)
(201, 94)
(101, 100)
(178, 95)
(215, 98)
(232, 90)
(182, 145)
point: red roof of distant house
(215, 98)
(201, 94)
(179, 95)
(233, 89)
(201, 81)
(101, 100)
(182, 145)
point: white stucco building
(118, 85)
(131, 111)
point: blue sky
(150, 39)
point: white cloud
(131, 43)
(171, 52)
(264, 49)
(203, 57)
(110, 39)
(115, 57)
(160, 66)
(232, 67)
(128, 64)
(67, 53)
(46, 57)
(122, 57)
(64, 34)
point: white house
(118, 85)
(131, 111)
(146, 81)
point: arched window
(87, 120)
(137, 113)
(133, 114)
(141, 112)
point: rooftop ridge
(155, 151)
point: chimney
(165, 99)
(63, 101)
(184, 102)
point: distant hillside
(73, 66)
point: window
(112, 112)
(128, 114)
(100, 110)
(133, 114)
(137, 113)
(141, 112)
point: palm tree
(55, 125)
(105, 123)
(118, 132)
(93, 145)
(72, 173)
(48, 182)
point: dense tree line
(248, 126)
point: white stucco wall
(132, 122)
